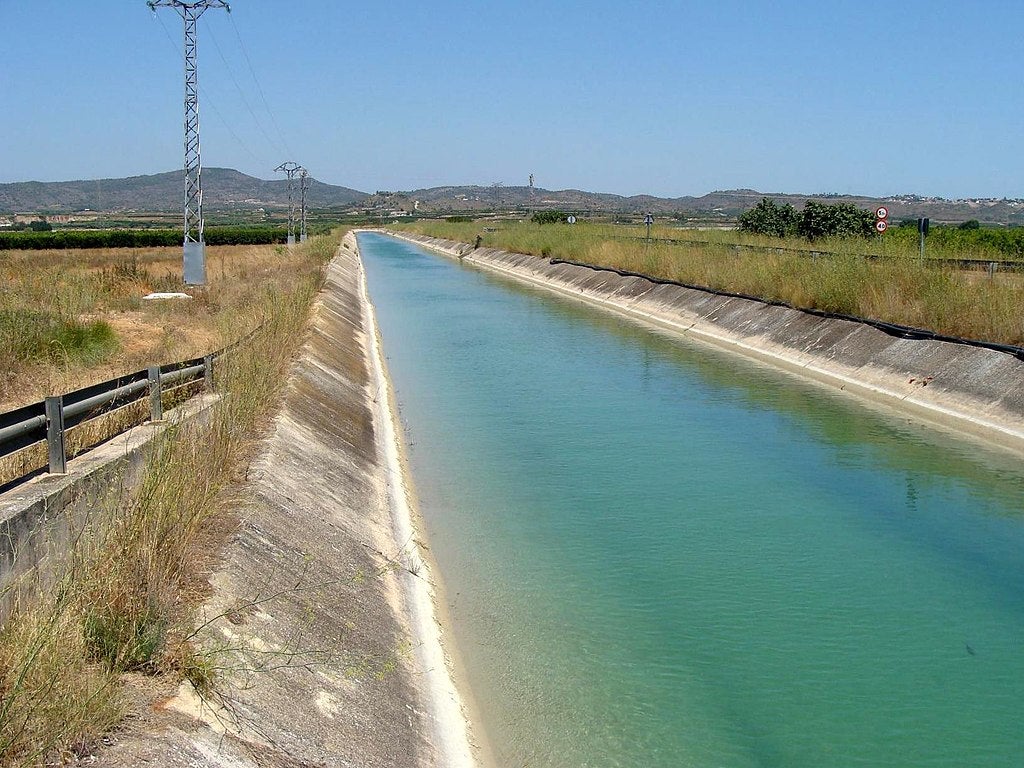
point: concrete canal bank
(322, 619)
(969, 389)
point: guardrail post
(208, 372)
(156, 404)
(55, 435)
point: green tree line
(815, 221)
(137, 238)
(819, 220)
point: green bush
(769, 218)
(37, 336)
(815, 221)
(549, 217)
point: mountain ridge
(229, 189)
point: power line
(277, 147)
(259, 87)
(211, 103)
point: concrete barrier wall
(970, 389)
(41, 519)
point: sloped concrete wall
(967, 388)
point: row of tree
(136, 238)
(816, 220)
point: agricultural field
(880, 278)
(69, 318)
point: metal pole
(55, 435)
(303, 186)
(290, 169)
(156, 404)
(194, 246)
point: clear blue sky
(666, 98)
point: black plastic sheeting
(899, 331)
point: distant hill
(222, 189)
(725, 204)
(227, 190)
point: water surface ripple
(656, 555)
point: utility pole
(303, 186)
(290, 169)
(194, 246)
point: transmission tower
(194, 253)
(290, 169)
(303, 186)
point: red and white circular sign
(882, 212)
(881, 225)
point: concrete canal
(655, 554)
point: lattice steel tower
(303, 186)
(291, 169)
(194, 256)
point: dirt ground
(108, 284)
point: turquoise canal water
(657, 555)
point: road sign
(881, 225)
(882, 212)
(571, 220)
(648, 219)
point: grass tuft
(127, 599)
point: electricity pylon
(290, 169)
(303, 186)
(194, 246)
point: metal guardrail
(50, 419)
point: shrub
(816, 220)
(549, 217)
(769, 218)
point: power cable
(259, 87)
(276, 146)
(206, 99)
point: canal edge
(873, 381)
(461, 738)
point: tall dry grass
(897, 289)
(126, 599)
(71, 318)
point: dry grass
(53, 305)
(897, 289)
(126, 600)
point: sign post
(881, 219)
(648, 220)
(922, 229)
